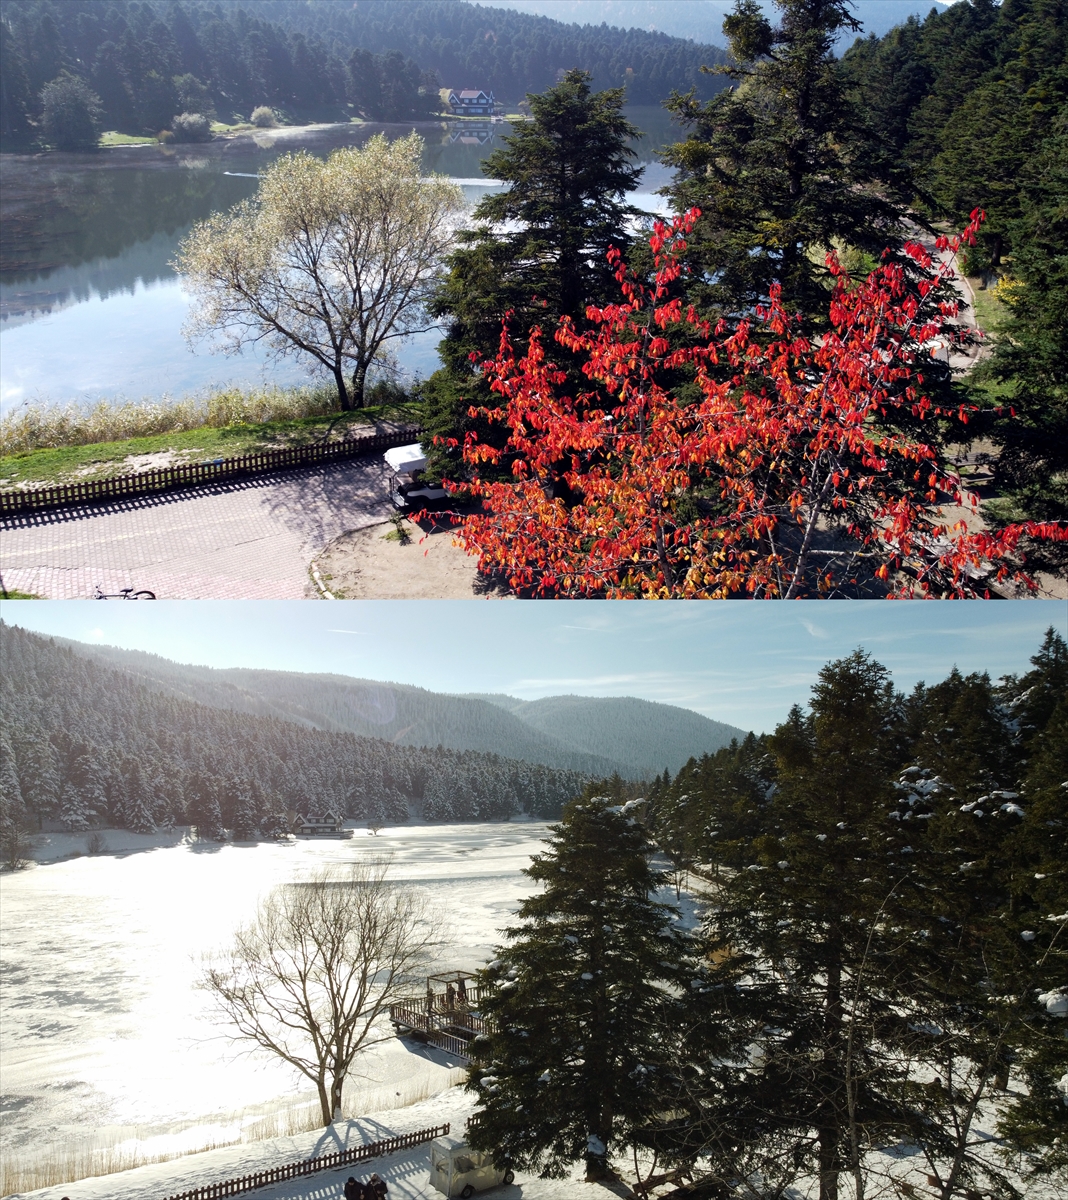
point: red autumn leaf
(622, 489)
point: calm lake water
(90, 308)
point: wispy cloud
(814, 630)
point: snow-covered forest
(875, 997)
(592, 735)
(87, 745)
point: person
(354, 1190)
(378, 1187)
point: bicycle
(124, 594)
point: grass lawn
(111, 138)
(222, 127)
(71, 464)
(990, 313)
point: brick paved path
(250, 540)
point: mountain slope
(399, 713)
(637, 738)
(642, 736)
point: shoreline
(173, 153)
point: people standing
(379, 1191)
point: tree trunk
(359, 384)
(342, 391)
(828, 1157)
(325, 1107)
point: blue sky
(742, 662)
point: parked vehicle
(406, 464)
(458, 1170)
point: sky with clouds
(743, 662)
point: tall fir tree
(805, 967)
(782, 166)
(537, 249)
(582, 1000)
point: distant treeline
(508, 52)
(86, 745)
(149, 61)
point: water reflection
(89, 305)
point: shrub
(264, 117)
(70, 113)
(164, 136)
(191, 127)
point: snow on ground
(105, 1034)
(407, 1173)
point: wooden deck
(442, 1019)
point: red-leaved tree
(797, 471)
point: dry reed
(37, 426)
(122, 1150)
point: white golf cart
(457, 1170)
(406, 464)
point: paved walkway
(249, 540)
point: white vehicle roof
(405, 459)
(449, 1143)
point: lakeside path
(249, 540)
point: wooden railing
(184, 475)
(410, 1013)
(309, 1166)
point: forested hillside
(701, 20)
(642, 737)
(144, 63)
(406, 715)
(873, 1000)
(973, 103)
(596, 736)
(510, 52)
(86, 744)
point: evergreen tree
(11, 803)
(1034, 1125)
(16, 99)
(1031, 351)
(538, 248)
(805, 965)
(782, 167)
(137, 809)
(203, 809)
(581, 1000)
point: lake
(105, 1031)
(89, 306)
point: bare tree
(329, 259)
(16, 847)
(312, 975)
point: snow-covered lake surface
(104, 1029)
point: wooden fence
(309, 1166)
(184, 475)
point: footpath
(251, 539)
(407, 1172)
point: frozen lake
(104, 1029)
